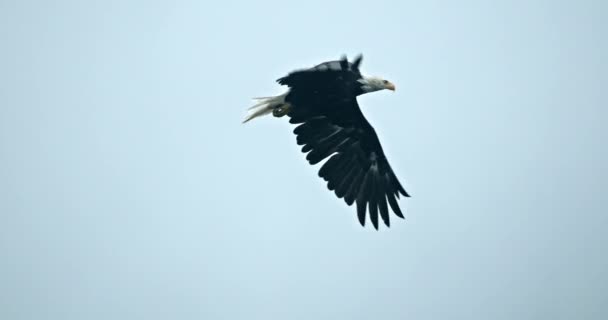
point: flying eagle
(322, 101)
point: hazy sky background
(129, 189)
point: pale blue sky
(130, 190)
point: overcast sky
(129, 189)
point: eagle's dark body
(330, 125)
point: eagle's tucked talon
(280, 110)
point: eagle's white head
(371, 84)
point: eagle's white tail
(264, 106)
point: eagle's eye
(384, 81)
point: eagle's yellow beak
(390, 86)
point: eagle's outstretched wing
(357, 169)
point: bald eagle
(322, 101)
